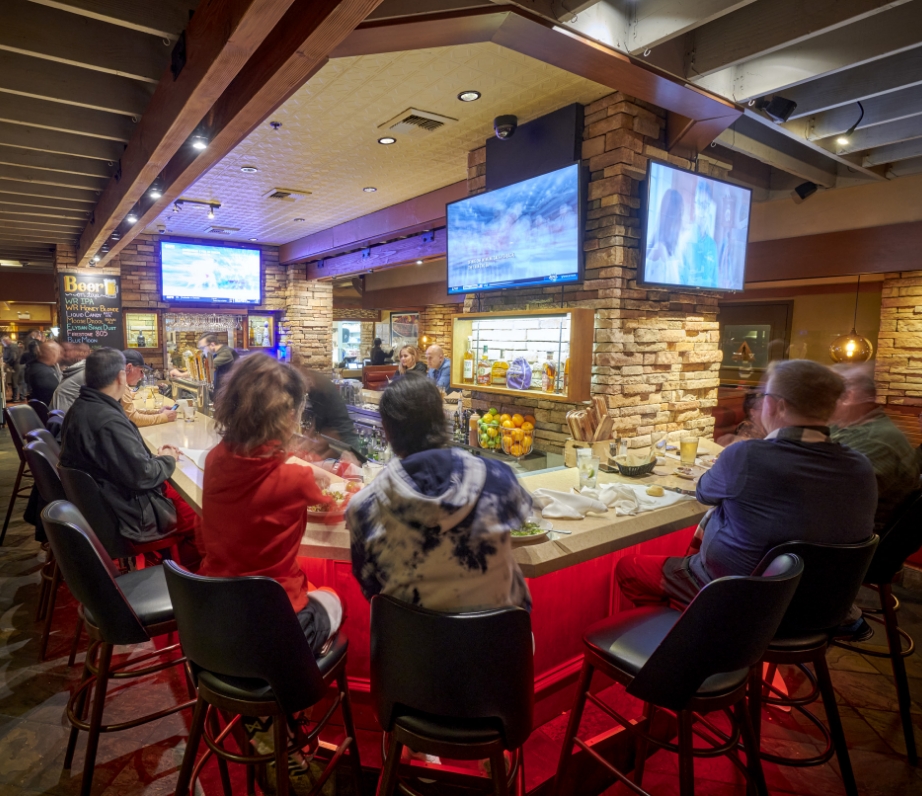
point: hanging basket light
(852, 347)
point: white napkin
(566, 505)
(196, 456)
(627, 499)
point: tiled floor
(33, 729)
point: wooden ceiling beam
(886, 108)
(11, 202)
(62, 225)
(294, 50)
(53, 35)
(36, 240)
(19, 135)
(894, 153)
(65, 164)
(51, 178)
(27, 214)
(70, 85)
(16, 109)
(163, 18)
(9, 185)
(8, 196)
(881, 135)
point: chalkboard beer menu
(92, 310)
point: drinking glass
(588, 467)
(188, 411)
(688, 449)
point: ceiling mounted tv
(206, 274)
(525, 234)
(695, 231)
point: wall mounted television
(206, 274)
(695, 231)
(525, 234)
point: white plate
(538, 537)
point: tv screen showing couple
(696, 231)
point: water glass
(588, 467)
(188, 411)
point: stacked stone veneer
(898, 369)
(436, 321)
(306, 308)
(655, 352)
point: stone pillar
(656, 352)
(435, 323)
(898, 369)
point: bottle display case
(543, 354)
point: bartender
(222, 356)
(331, 417)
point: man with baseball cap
(134, 373)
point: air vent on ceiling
(286, 194)
(416, 122)
(223, 230)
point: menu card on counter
(92, 310)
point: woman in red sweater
(255, 497)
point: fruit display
(489, 438)
(517, 434)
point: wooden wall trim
(388, 255)
(404, 298)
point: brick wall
(898, 369)
(655, 352)
(435, 323)
(307, 320)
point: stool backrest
(21, 419)
(43, 463)
(90, 574)
(457, 666)
(728, 626)
(833, 574)
(44, 435)
(245, 627)
(83, 491)
(40, 408)
(898, 542)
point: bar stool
(43, 463)
(116, 609)
(689, 663)
(40, 408)
(901, 540)
(20, 419)
(44, 435)
(832, 577)
(249, 657)
(454, 685)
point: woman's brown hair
(259, 402)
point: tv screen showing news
(524, 234)
(209, 274)
(696, 231)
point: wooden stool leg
(899, 671)
(192, 744)
(78, 630)
(9, 509)
(835, 724)
(753, 760)
(388, 782)
(49, 610)
(99, 701)
(280, 733)
(576, 715)
(498, 772)
(355, 761)
(222, 763)
(686, 758)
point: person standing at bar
(43, 374)
(74, 375)
(439, 367)
(222, 356)
(378, 355)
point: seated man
(134, 373)
(860, 424)
(796, 484)
(433, 528)
(439, 367)
(99, 439)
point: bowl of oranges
(517, 434)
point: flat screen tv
(695, 231)
(523, 234)
(209, 274)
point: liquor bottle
(484, 370)
(469, 363)
(473, 434)
(549, 373)
(498, 371)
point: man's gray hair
(860, 380)
(810, 388)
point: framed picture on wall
(142, 330)
(260, 331)
(404, 329)
(383, 331)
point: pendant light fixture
(852, 347)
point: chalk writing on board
(91, 310)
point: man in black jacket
(43, 374)
(222, 356)
(98, 438)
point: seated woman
(255, 497)
(433, 528)
(751, 426)
(409, 362)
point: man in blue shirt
(796, 484)
(439, 367)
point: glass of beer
(688, 449)
(110, 286)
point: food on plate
(655, 491)
(337, 500)
(685, 472)
(528, 529)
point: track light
(96, 258)
(132, 217)
(156, 189)
(200, 139)
(804, 191)
(846, 138)
(778, 109)
(210, 212)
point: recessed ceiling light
(249, 169)
(155, 193)
(388, 139)
(369, 189)
(254, 239)
(299, 219)
(419, 262)
(132, 217)
(469, 96)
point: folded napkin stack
(628, 499)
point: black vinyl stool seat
(44, 435)
(20, 420)
(40, 408)
(689, 663)
(898, 542)
(43, 463)
(832, 577)
(249, 657)
(116, 609)
(455, 685)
